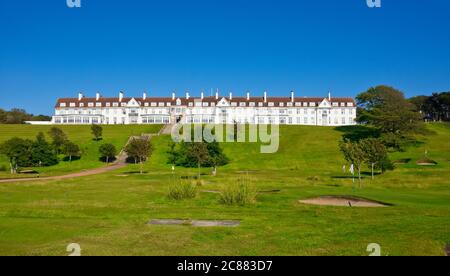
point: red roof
(84, 102)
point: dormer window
(290, 104)
(178, 102)
(62, 105)
(81, 104)
(168, 104)
(349, 104)
(98, 104)
(242, 104)
(335, 104)
(343, 104)
(123, 104)
(108, 104)
(271, 104)
(153, 104)
(260, 104)
(312, 104)
(191, 104)
(115, 104)
(233, 104)
(281, 104)
(90, 104)
(252, 104)
(146, 104)
(160, 104)
(298, 104)
(205, 104)
(72, 104)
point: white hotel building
(218, 110)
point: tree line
(24, 153)
(388, 122)
(433, 108)
(20, 116)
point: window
(72, 104)
(298, 104)
(281, 104)
(98, 104)
(108, 104)
(62, 105)
(271, 104)
(350, 104)
(312, 104)
(242, 104)
(260, 104)
(252, 104)
(81, 104)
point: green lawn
(81, 135)
(108, 214)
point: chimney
(248, 96)
(173, 96)
(97, 96)
(121, 96)
(144, 96)
(292, 96)
(231, 96)
(329, 96)
(80, 96)
(202, 95)
(187, 96)
(217, 94)
(265, 96)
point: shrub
(182, 190)
(3, 168)
(241, 194)
(108, 152)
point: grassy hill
(108, 214)
(81, 135)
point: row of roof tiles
(77, 102)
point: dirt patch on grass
(196, 223)
(447, 250)
(344, 201)
(426, 162)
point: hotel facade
(291, 110)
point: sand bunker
(196, 223)
(347, 201)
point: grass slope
(81, 135)
(108, 214)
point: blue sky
(48, 50)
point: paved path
(120, 163)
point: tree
(139, 149)
(42, 153)
(3, 115)
(375, 152)
(59, 138)
(198, 152)
(97, 131)
(107, 152)
(387, 109)
(71, 149)
(353, 154)
(18, 152)
(17, 116)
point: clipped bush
(240, 194)
(182, 190)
